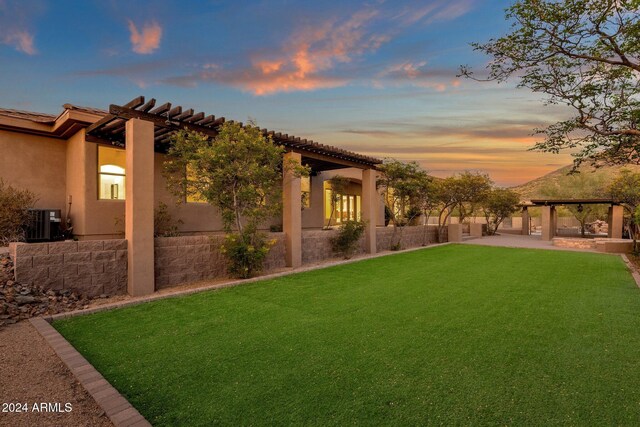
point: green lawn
(448, 335)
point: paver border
(115, 406)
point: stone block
(61, 271)
(121, 255)
(55, 284)
(165, 252)
(90, 268)
(78, 283)
(116, 287)
(77, 257)
(31, 275)
(22, 262)
(115, 267)
(103, 256)
(90, 245)
(47, 260)
(31, 249)
(115, 245)
(63, 247)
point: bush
(14, 213)
(163, 222)
(349, 233)
(246, 252)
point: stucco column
(139, 207)
(369, 211)
(548, 222)
(615, 220)
(526, 229)
(292, 211)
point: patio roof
(168, 118)
(556, 202)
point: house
(103, 170)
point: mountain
(537, 188)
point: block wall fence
(95, 267)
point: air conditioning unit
(45, 225)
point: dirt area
(31, 373)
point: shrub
(349, 233)
(163, 222)
(14, 212)
(246, 252)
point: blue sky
(376, 77)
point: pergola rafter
(168, 118)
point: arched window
(111, 173)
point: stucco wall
(88, 268)
(35, 163)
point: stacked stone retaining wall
(316, 246)
(192, 258)
(88, 268)
(412, 236)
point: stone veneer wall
(192, 258)
(412, 236)
(89, 268)
(316, 245)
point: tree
(499, 204)
(446, 198)
(424, 200)
(584, 54)
(14, 212)
(580, 185)
(338, 187)
(626, 189)
(472, 189)
(240, 172)
(399, 182)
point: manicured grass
(448, 335)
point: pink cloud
(21, 40)
(147, 40)
(417, 74)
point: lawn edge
(632, 268)
(229, 284)
(115, 406)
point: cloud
(16, 22)
(304, 62)
(434, 11)
(418, 74)
(147, 40)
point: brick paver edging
(116, 407)
(632, 267)
(231, 283)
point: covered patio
(615, 218)
(142, 129)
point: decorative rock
(24, 299)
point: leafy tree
(584, 54)
(339, 185)
(400, 182)
(626, 189)
(499, 203)
(580, 185)
(473, 189)
(446, 198)
(424, 200)
(240, 172)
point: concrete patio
(519, 241)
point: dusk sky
(374, 77)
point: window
(111, 173)
(305, 183)
(347, 206)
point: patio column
(370, 201)
(139, 207)
(292, 212)
(615, 220)
(526, 228)
(548, 222)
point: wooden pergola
(167, 118)
(550, 215)
(142, 128)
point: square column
(139, 201)
(526, 228)
(292, 211)
(370, 205)
(548, 222)
(616, 221)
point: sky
(376, 77)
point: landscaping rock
(19, 301)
